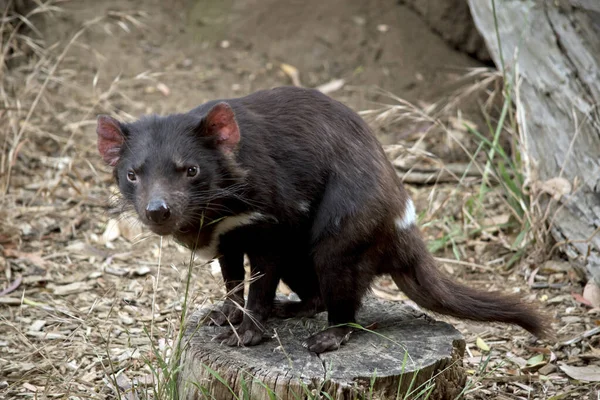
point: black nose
(158, 211)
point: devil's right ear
(110, 139)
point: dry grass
(78, 318)
(90, 304)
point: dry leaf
(145, 380)
(547, 369)
(555, 187)
(496, 220)
(111, 232)
(89, 377)
(535, 360)
(37, 325)
(587, 374)
(142, 271)
(71, 288)
(35, 258)
(13, 286)
(31, 388)
(292, 73)
(591, 293)
(130, 229)
(383, 294)
(331, 86)
(483, 346)
(164, 89)
(48, 335)
(581, 299)
(461, 124)
(283, 288)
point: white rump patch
(409, 218)
(225, 225)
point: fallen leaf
(130, 229)
(331, 86)
(383, 294)
(164, 89)
(146, 380)
(587, 374)
(123, 381)
(142, 271)
(71, 288)
(591, 293)
(483, 346)
(555, 187)
(292, 73)
(535, 360)
(283, 288)
(461, 124)
(111, 232)
(581, 299)
(553, 266)
(37, 325)
(495, 221)
(31, 388)
(89, 377)
(13, 286)
(48, 335)
(35, 258)
(547, 369)
(116, 271)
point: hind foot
(328, 340)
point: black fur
(328, 196)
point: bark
(557, 50)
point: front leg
(232, 269)
(265, 278)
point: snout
(158, 211)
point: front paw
(230, 313)
(328, 339)
(247, 334)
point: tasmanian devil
(297, 182)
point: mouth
(161, 229)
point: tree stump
(403, 352)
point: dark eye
(131, 177)
(192, 171)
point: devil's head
(174, 169)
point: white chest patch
(409, 218)
(209, 251)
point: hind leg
(344, 277)
(346, 249)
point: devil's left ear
(220, 123)
(110, 139)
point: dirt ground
(86, 293)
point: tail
(420, 279)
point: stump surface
(403, 343)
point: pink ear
(220, 122)
(110, 139)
